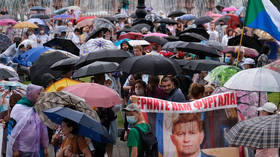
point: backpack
(149, 143)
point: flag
(264, 15)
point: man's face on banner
(187, 138)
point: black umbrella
(108, 55)
(199, 31)
(63, 44)
(224, 18)
(96, 32)
(199, 49)
(191, 37)
(65, 63)
(171, 38)
(248, 41)
(182, 62)
(43, 64)
(171, 46)
(167, 21)
(110, 18)
(5, 42)
(97, 67)
(156, 39)
(220, 7)
(37, 8)
(150, 64)
(139, 27)
(203, 20)
(201, 65)
(176, 13)
(40, 16)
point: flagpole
(240, 44)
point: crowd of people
(27, 136)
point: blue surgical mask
(227, 59)
(131, 119)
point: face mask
(139, 91)
(42, 32)
(227, 59)
(131, 119)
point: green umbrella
(221, 74)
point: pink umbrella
(214, 15)
(5, 22)
(95, 94)
(156, 34)
(229, 9)
(248, 52)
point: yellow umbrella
(59, 85)
(25, 24)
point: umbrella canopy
(96, 44)
(119, 42)
(7, 72)
(229, 9)
(275, 66)
(63, 16)
(201, 65)
(156, 39)
(37, 8)
(172, 46)
(60, 29)
(181, 62)
(214, 15)
(172, 38)
(253, 80)
(187, 17)
(191, 37)
(74, 7)
(199, 31)
(6, 22)
(138, 42)
(224, 19)
(96, 32)
(176, 13)
(97, 67)
(221, 74)
(85, 18)
(48, 100)
(60, 11)
(110, 18)
(258, 132)
(65, 63)
(251, 42)
(87, 22)
(5, 42)
(95, 94)
(43, 64)
(25, 24)
(103, 23)
(60, 84)
(247, 52)
(154, 65)
(203, 20)
(12, 86)
(167, 21)
(88, 127)
(109, 55)
(131, 35)
(156, 34)
(199, 49)
(37, 20)
(40, 16)
(63, 44)
(120, 16)
(220, 7)
(139, 27)
(33, 54)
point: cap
(132, 107)
(249, 61)
(268, 107)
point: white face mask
(42, 32)
(139, 92)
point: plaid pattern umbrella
(258, 132)
(63, 99)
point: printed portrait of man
(187, 135)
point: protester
(173, 93)
(248, 63)
(42, 38)
(196, 91)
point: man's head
(187, 134)
(167, 84)
(133, 113)
(22, 48)
(77, 31)
(230, 58)
(86, 29)
(249, 63)
(138, 50)
(212, 26)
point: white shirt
(33, 37)
(213, 35)
(76, 39)
(43, 38)
(225, 40)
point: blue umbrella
(37, 20)
(119, 42)
(63, 16)
(32, 55)
(187, 17)
(37, 8)
(88, 127)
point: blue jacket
(176, 96)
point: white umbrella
(256, 79)
(138, 42)
(96, 44)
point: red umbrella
(234, 20)
(131, 35)
(248, 52)
(84, 18)
(274, 66)
(95, 94)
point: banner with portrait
(188, 128)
